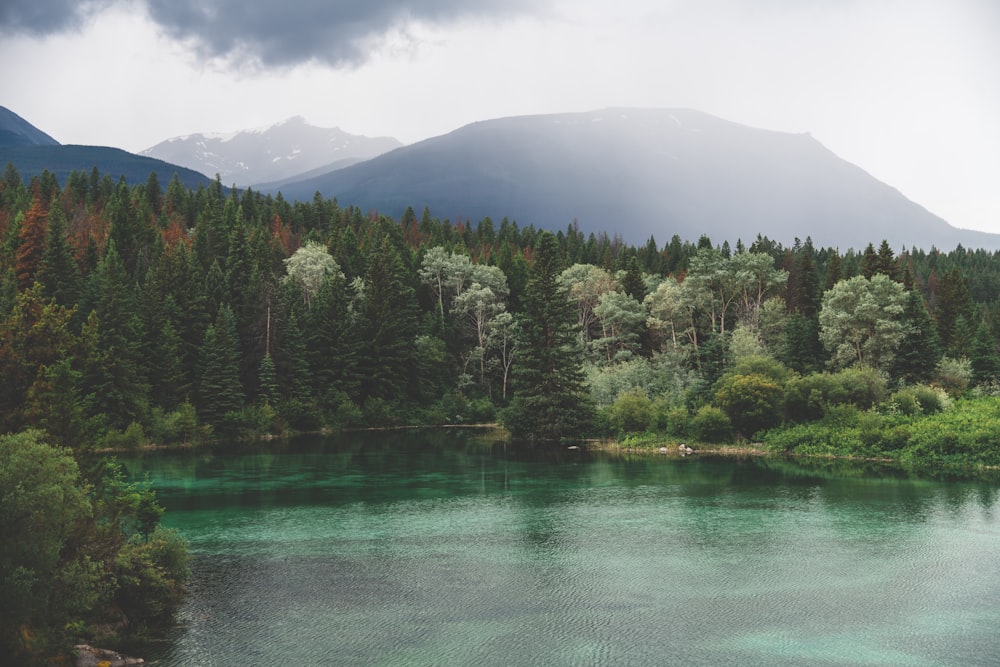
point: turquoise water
(439, 549)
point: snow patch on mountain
(272, 153)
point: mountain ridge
(272, 154)
(642, 173)
(17, 132)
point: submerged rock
(90, 656)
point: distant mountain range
(271, 155)
(642, 173)
(632, 172)
(32, 151)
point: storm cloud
(43, 17)
(338, 32)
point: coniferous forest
(138, 314)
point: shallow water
(439, 549)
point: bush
(753, 401)
(131, 439)
(916, 400)
(810, 397)
(632, 412)
(711, 424)
(953, 375)
(181, 425)
(151, 576)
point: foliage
(861, 321)
(710, 424)
(551, 401)
(752, 401)
(72, 552)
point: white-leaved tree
(861, 321)
(309, 266)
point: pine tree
(57, 271)
(219, 390)
(953, 311)
(551, 400)
(388, 327)
(115, 381)
(920, 349)
(31, 244)
(983, 356)
(632, 282)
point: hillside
(15, 131)
(61, 160)
(637, 173)
(291, 149)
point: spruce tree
(983, 356)
(920, 349)
(551, 400)
(388, 327)
(57, 271)
(219, 390)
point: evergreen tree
(954, 303)
(632, 283)
(268, 381)
(388, 327)
(551, 400)
(219, 390)
(115, 382)
(31, 244)
(920, 349)
(57, 271)
(983, 356)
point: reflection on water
(434, 548)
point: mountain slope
(273, 154)
(641, 172)
(61, 160)
(15, 131)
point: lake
(444, 548)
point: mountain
(15, 131)
(273, 154)
(30, 161)
(31, 151)
(642, 172)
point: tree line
(131, 313)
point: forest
(141, 314)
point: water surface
(436, 548)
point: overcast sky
(909, 90)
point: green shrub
(151, 576)
(632, 412)
(131, 439)
(953, 375)
(915, 400)
(752, 402)
(711, 424)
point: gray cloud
(43, 17)
(272, 33)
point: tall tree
(57, 270)
(983, 356)
(219, 390)
(388, 326)
(861, 321)
(920, 349)
(31, 243)
(550, 400)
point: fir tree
(551, 400)
(57, 271)
(983, 356)
(219, 390)
(920, 349)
